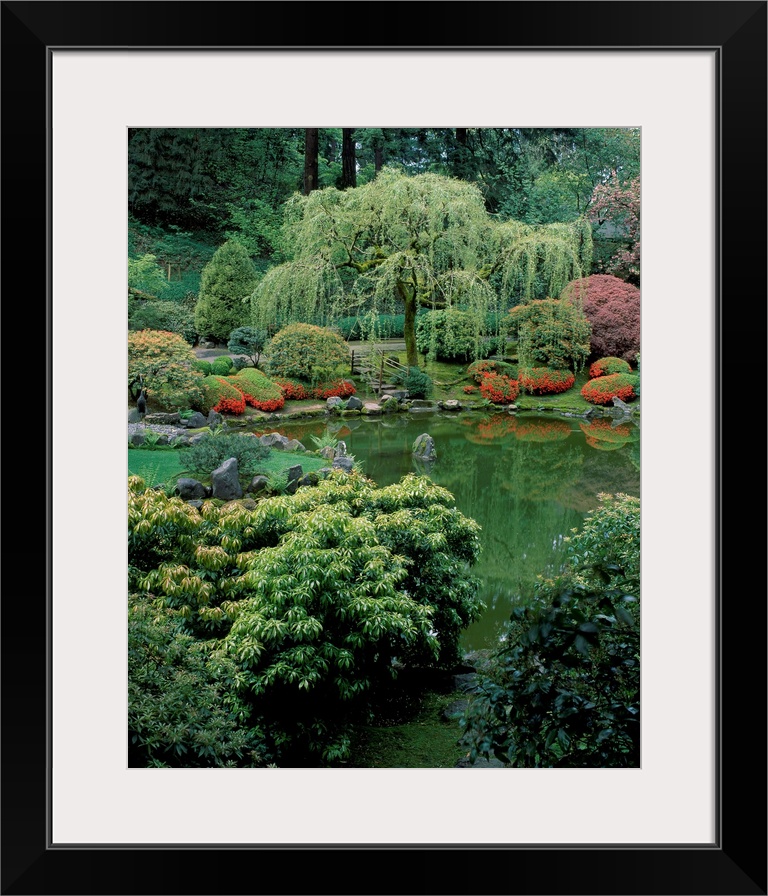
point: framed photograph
(692, 77)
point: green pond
(528, 479)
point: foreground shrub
(258, 389)
(613, 310)
(498, 388)
(607, 366)
(545, 380)
(212, 450)
(564, 690)
(220, 395)
(604, 389)
(341, 388)
(299, 391)
(314, 597)
(179, 712)
(308, 353)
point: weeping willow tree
(399, 243)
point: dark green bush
(416, 381)
(180, 714)
(248, 342)
(564, 689)
(211, 451)
(171, 317)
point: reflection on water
(527, 479)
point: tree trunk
(409, 330)
(311, 149)
(378, 157)
(348, 161)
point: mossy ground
(410, 728)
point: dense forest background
(192, 189)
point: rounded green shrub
(306, 352)
(203, 366)
(222, 365)
(607, 366)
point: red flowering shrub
(470, 389)
(498, 388)
(293, 390)
(296, 390)
(341, 388)
(603, 389)
(219, 394)
(545, 380)
(613, 309)
(478, 369)
(230, 406)
(607, 366)
(538, 430)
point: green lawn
(166, 464)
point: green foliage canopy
(401, 243)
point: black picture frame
(736, 863)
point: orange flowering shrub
(603, 389)
(293, 390)
(342, 388)
(545, 380)
(498, 388)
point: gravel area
(155, 427)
